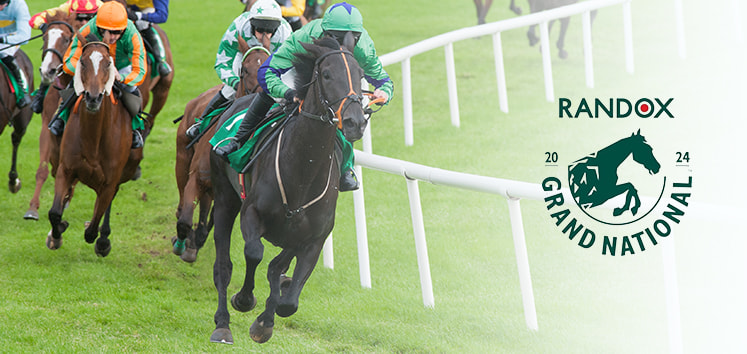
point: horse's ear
(313, 49)
(349, 41)
(243, 46)
(639, 132)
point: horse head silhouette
(593, 179)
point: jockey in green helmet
(339, 19)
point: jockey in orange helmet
(84, 11)
(111, 26)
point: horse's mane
(304, 64)
(60, 16)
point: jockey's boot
(348, 181)
(132, 101)
(257, 110)
(37, 102)
(149, 34)
(218, 100)
(57, 124)
(10, 62)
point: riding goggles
(84, 17)
(113, 32)
(339, 36)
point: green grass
(141, 298)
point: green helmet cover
(342, 17)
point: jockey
(15, 30)
(143, 13)
(339, 19)
(84, 11)
(262, 20)
(111, 27)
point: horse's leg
(532, 36)
(62, 188)
(103, 245)
(200, 233)
(186, 214)
(14, 184)
(562, 53)
(514, 8)
(261, 329)
(629, 190)
(103, 200)
(42, 173)
(227, 205)
(245, 300)
(306, 260)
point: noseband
(330, 115)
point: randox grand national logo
(619, 200)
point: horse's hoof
(31, 214)
(178, 246)
(563, 54)
(53, 243)
(189, 255)
(102, 248)
(241, 307)
(634, 210)
(90, 234)
(618, 211)
(137, 175)
(286, 310)
(222, 335)
(14, 186)
(259, 332)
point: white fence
(446, 40)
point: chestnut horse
(10, 114)
(193, 163)
(57, 39)
(292, 188)
(95, 146)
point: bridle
(246, 90)
(330, 115)
(54, 50)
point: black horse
(291, 188)
(542, 5)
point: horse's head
(57, 37)
(329, 80)
(250, 63)
(95, 73)
(643, 153)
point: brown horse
(193, 164)
(57, 39)
(10, 114)
(95, 147)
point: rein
(288, 211)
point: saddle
(267, 129)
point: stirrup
(193, 131)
